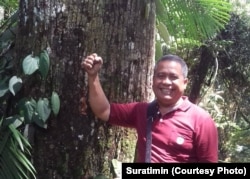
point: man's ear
(185, 82)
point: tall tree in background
(75, 144)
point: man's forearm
(97, 99)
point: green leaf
(13, 150)
(160, 8)
(38, 121)
(197, 20)
(29, 108)
(30, 64)
(16, 135)
(43, 109)
(22, 162)
(55, 103)
(44, 63)
(163, 32)
(16, 120)
(158, 50)
(15, 84)
(9, 164)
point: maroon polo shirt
(187, 134)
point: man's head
(170, 79)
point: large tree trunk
(77, 145)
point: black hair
(177, 59)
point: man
(181, 131)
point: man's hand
(92, 64)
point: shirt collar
(185, 105)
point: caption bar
(219, 169)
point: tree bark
(200, 73)
(77, 145)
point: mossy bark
(76, 144)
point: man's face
(168, 82)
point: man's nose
(166, 80)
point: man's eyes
(163, 76)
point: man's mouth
(166, 91)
